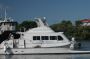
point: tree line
(70, 30)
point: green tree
(78, 23)
(81, 32)
(63, 26)
(26, 25)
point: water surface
(85, 46)
(74, 56)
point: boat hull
(43, 51)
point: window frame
(44, 37)
(53, 37)
(59, 38)
(36, 37)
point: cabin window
(60, 38)
(11, 24)
(4, 23)
(53, 38)
(36, 37)
(44, 38)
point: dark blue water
(74, 56)
(85, 46)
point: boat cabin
(42, 36)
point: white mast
(0, 11)
(5, 14)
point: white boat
(40, 40)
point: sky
(54, 10)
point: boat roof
(40, 29)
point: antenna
(5, 14)
(0, 10)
